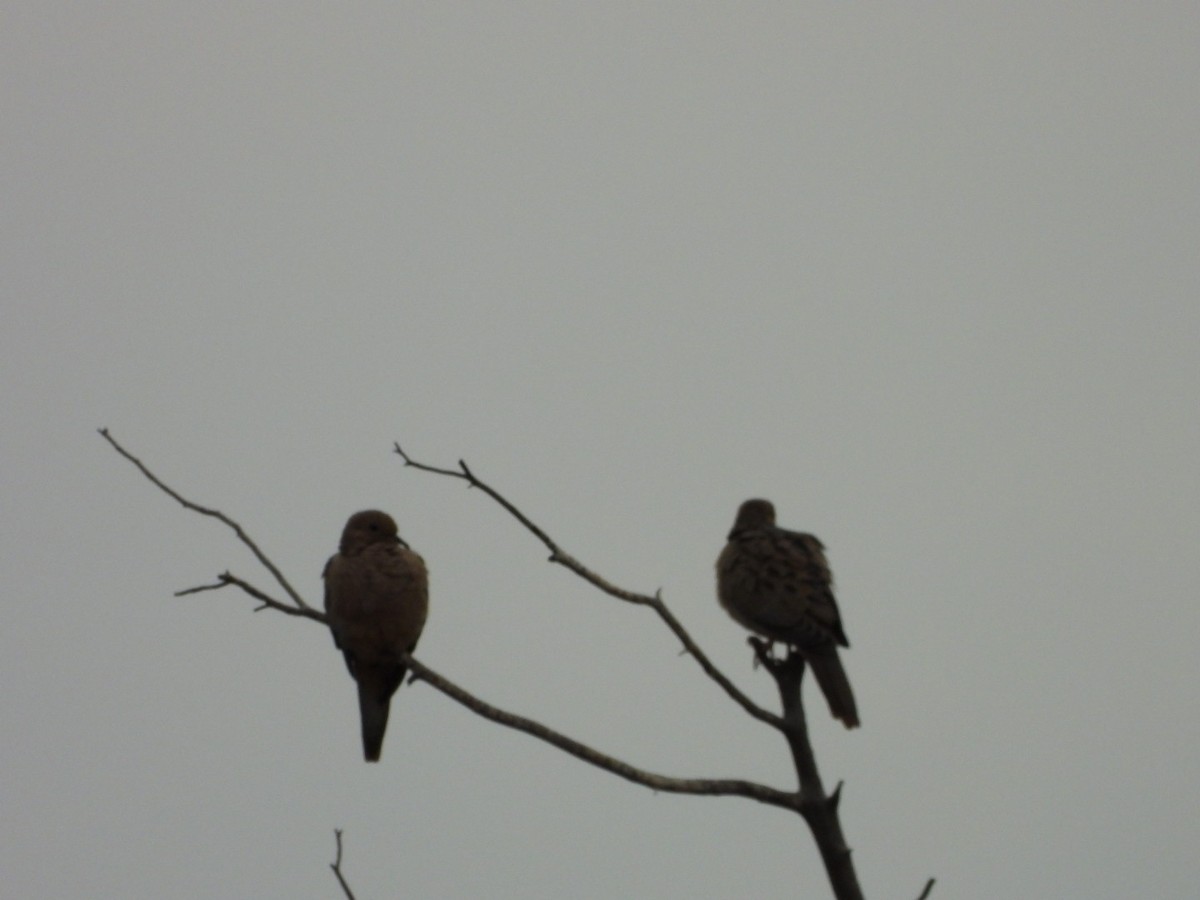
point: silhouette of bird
(376, 601)
(777, 583)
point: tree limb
(221, 517)
(655, 602)
(225, 579)
(716, 787)
(820, 811)
(728, 787)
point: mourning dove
(777, 583)
(376, 600)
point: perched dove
(376, 600)
(777, 583)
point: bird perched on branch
(777, 583)
(376, 601)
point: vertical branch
(336, 865)
(820, 810)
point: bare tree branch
(216, 514)
(820, 811)
(336, 865)
(225, 579)
(717, 787)
(655, 602)
(761, 793)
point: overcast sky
(925, 275)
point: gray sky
(926, 276)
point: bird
(376, 603)
(777, 584)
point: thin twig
(717, 787)
(336, 865)
(225, 579)
(560, 556)
(216, 514)
(928, 888)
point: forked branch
(560, 556)
(300, 608)
(820, 810)
(226, 579)
(817, 808)
(336, 865)
(728, 787)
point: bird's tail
(373, 706)
(831, 678)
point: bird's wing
(795, 588)
(331, 615)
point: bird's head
(366, 528)
(754, 514)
